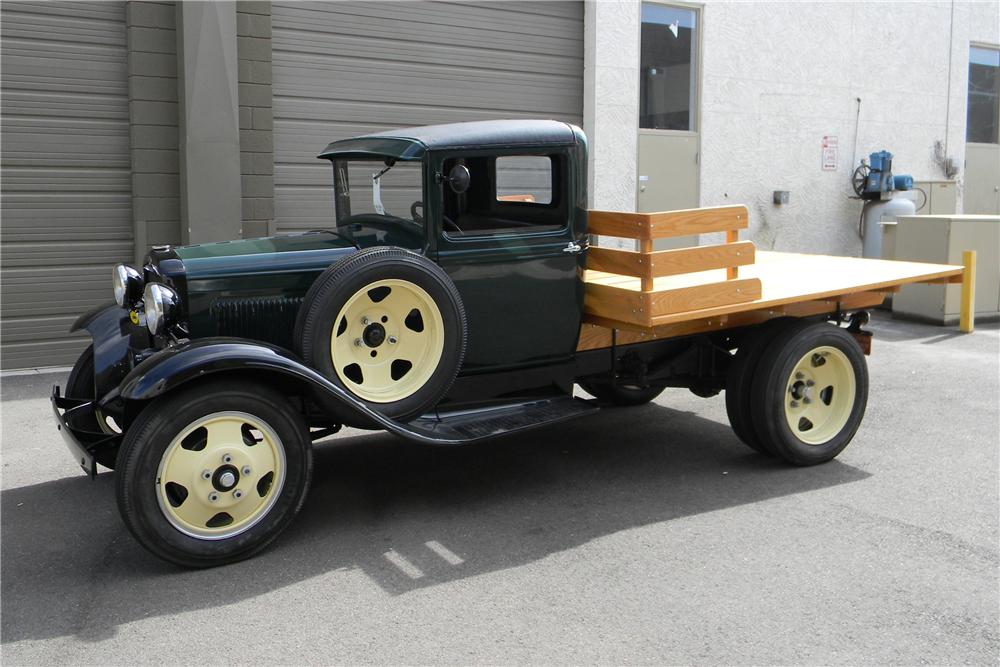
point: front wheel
(213, 474)
(809, 393)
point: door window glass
(984, 96)
(516, 193)
(667, 68)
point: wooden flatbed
(646, 295)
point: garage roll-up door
(66, 212)
(342, 69)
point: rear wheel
(809, 393)
(623, 395)
(739, 381)
(213, 474)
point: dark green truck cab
(443, 303)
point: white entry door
(668, 177)
(982, 133)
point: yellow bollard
(967, 316)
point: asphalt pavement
(640, 535)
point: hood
(313, 251)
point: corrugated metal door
(341, 69)
(65, 172)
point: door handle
(573, 247)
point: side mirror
(459, 178)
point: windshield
(377, 190)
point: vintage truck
(455, 297)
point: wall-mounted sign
(829, 161)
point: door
(508, 245)
(982, 133)
(668, 177)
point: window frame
(988, 47)
(696, 70)
(560, 157)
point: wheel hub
(374, 334)
(225, 478)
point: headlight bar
(127, 285)
(160, 302)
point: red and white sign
(829, 162)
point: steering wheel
(417, 217)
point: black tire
(621, 395)
(739, 382)
(332, 293)
(782, 387)
(81, 385)
(153, 433)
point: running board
(462, 426)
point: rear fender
(174, 367)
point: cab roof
(413, 142)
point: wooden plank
(642, 307)
(622, 262)
(732, 237)
(701, 258)
(646, 248)
(615, 303)
(697, 297)
(648, 226)
(670, 262)
(595, 332)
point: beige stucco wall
(777, 77)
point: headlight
(160, 302)
(127, 284)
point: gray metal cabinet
(941, 239)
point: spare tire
(387, 325)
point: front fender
(113, 334)
(169, 369)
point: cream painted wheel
(820, 396)
(809, 392)
(220, 475)
(387, 341)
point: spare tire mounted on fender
(387, 325)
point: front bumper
(81, 443)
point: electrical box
(941, 197)
(941, 239)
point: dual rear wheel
(798, 390)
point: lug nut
(809, 383)
(213, 496)
(237, 494)
(364, 321)
(206, 474)
(226, 458)
(806, 400)
(357, 342)
(794, 404)
(392, 340)
(246, 470)
(799, 375)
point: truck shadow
(407, 516)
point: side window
(526, 178)
(507, 194)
